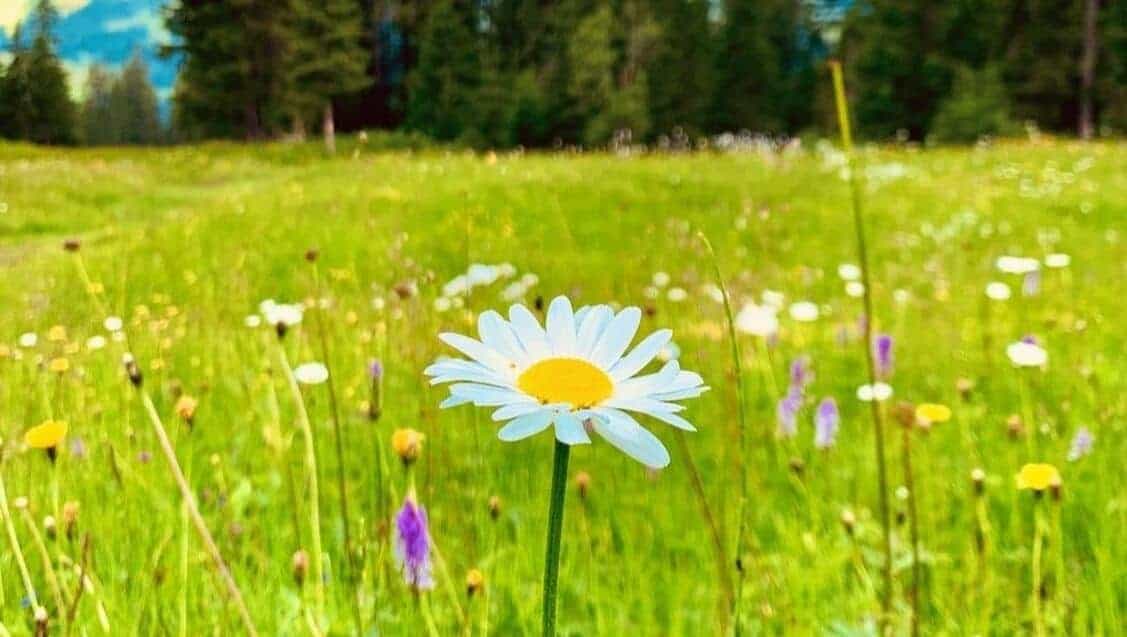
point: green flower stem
(1038, 540)
(16, 550)
(866, 343)
(555, 529)
(314, 484)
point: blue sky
(105, 32)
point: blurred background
(557, 73)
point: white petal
(622, 431)
(673, 419)
(528, 330)
(453, 401)
(525, 426)
(561, 326)
(616, 338)
(478, 351)
(641, 355)
(486, 396)
(591, 327)
(680, 394)
(516, 410)
(496, 333)
(647, 406)
(661, 381)
(569, 430)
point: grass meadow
(183, 244)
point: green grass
(187, 241)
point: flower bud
(978, 479)
(407, 444)
(848, 520)
(132, 370)
(475, 581)
(300, 566)
(50, 527)
(72, 245)
(70, 518)
(1014, 426)
(582, 483)
(494, 506)
(311, 254)
(186, 409)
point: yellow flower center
(566, 380)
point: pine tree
(445, 81)
(36, 100)
(133, 103)
(97, 115)
(746, 70)
(329, 59)
(680, 74)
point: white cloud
(150, 21)
(12, 12)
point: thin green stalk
(194, 513)
(741, 419)
(555, 530)
(713, 528)
(866, 342)
(314, 485)
(913, 529)
(29, 588)
(1038, 540)
(342, 483)
(45, 558)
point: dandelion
(412, 545)
(573, 373)
(877, 391)
(1081, 444)
(758, 320)
(311, 373)
(804, 311)
(46, 436)
(57, 334)
(1025, 353)
(1038, 477)
(826, 421)
(475, 581)
(928, 414)
(997, 291)
(185, 408)
(59, 365)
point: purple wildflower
(1081, 444)
(375, 369)
(1031, 283)
(787, 413)
(412, 545)
(800, 373)
(883, 353)
(1030, 339)
(826, 420)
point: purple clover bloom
(412, 545)
(883, 353)
(787, 413)
(1081, 444)
(800, 374)
(826, 420)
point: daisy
(311, 373)
(849, 272)
(573, 373)
(1058, 260)
(804, 311)
(758, 320)
(1017, 265)
(879, 391)
(997, 291)
(1026, 354)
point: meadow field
(182, 245)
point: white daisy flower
(878, 391)
(95, 342)
(1057, 260)
(676, 295)
(757, 320)
(804, 311)
(855, 289)
(28, 340)
(573, 373)
(112, 324)
(442, 304)
(514, 291)
(661, 279)
(252, 321)
(997, 291)
(773, 298)
(1017, 265)
(311, 373)
(849, 272)
(1026, 354)
(286, 314)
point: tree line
(541, 73)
